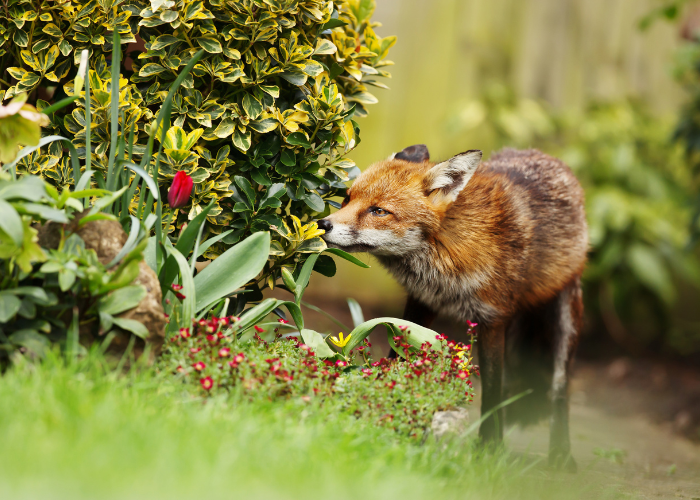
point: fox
(502, 243)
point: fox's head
(396, 204)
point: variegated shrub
(263, 123)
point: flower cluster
(399, 394)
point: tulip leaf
(415, 335)
(239, 264)
(316, 342)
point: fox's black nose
(325, 224)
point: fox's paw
(562, 460)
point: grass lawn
(79, 431)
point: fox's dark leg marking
(568, 323)
(416, 312)
(491, 348)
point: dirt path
(629, 453)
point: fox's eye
(346, 200)
(379, 212)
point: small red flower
(463, 375)
(195, 350)
(199, 366)
(366, 372)
(341, 364)
(441, 337)
(472, 325)
(258, 329)
(180, 296)
(443, 376)
(224, 352)
(176, 288)
(403, 328)
(212, 339)
(207, 383)
(180, 369)
(185, 333)
(180, 190)
(391, 384)
(283, 321)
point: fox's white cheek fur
(388, 242)
(384, 241)
(341, 235)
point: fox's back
(521, 221)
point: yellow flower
(340, 341)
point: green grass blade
(88, 123)
(60, 105)
(173, 88)
(114, 112)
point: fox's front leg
(491, 349)
(416, 312)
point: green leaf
(11, 223)
(288, 279)
(42, 212)
(214, 239)
(295, 313)
(164, 41)
(333, 23)
(315, 202)
(188, 288)
(66, 278)
(316, 341)
(650, 269)
(133, 326)
(415, 335)
(32, 340)
(20, 38)
(239, 264)
(356, 312)
(9, 305)
(151, 69)
(304, 276)
(298, 139)
(122, 299)
(252, 106)
(325, 46)
(344, 255)
(315, 245)
(210, 44)
(247, 188)
(264, 126)
(28, 188)
(257, 313)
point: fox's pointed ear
(446, 180)
(417, 153)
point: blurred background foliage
(610, 86)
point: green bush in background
(263, 122)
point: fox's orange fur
(491, 242)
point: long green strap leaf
(188, 289)
(415, 334)
(232, 269)
(304, 276)
(114, 112)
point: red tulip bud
(180, 191)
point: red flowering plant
(216, 357)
